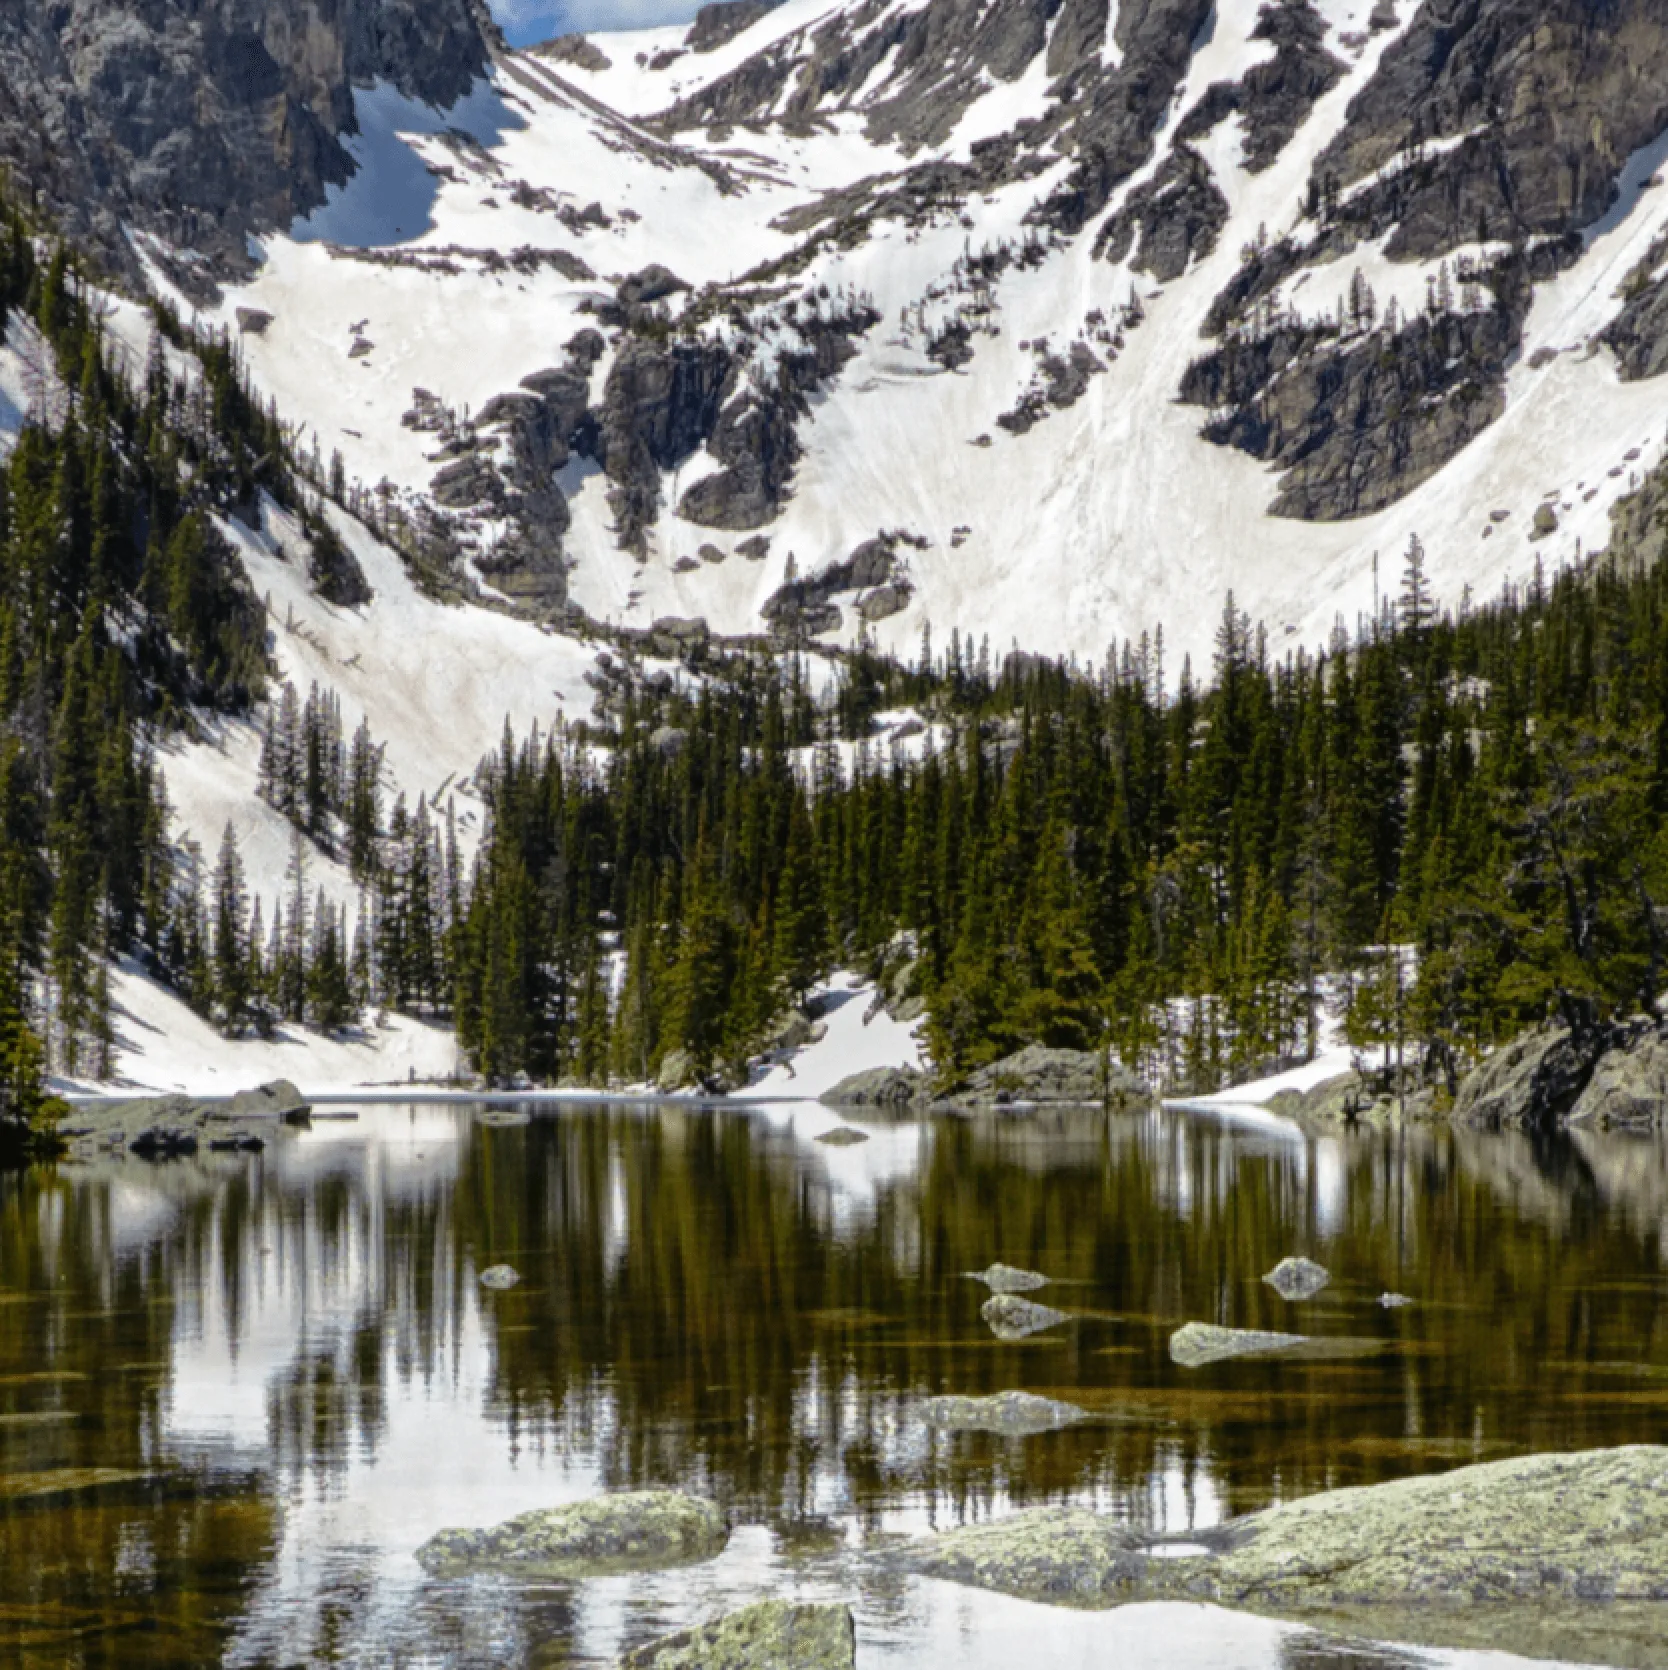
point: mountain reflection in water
(290, 1377)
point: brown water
(288, 1371)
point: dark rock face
(1638, 336)
(1562, 91)
(1358, 423)
(1273, 97)
(1177, 217)
(721, 21)
(207, 120)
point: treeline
(1168, 865)
(122, 613)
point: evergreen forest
(1447, 826)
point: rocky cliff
(203, 121)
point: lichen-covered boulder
(1298, 1278)
(1006, 1278)
(1013, 1318)
(633, 1530)
(1556, 1556)
(1009, 1414)
(1197, 1343)
(770, 1635)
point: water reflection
(290, 1378)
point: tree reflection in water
(273, 1354)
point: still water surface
(294, 1378)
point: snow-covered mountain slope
(1048, 311)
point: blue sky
(525, 21)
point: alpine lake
(238, 1391)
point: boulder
(1005, 1278)
(769, 1635)
(1628, 1089)
(677, 1069)
(1298, 1278)
(632, 1531)
(500, 1277)
(277, 1100)
(1043, 1075)
(1533, 1082)
(253, 321)
(1556, 1556)
(654, 283)
(1394, 1301)
(879, 1087)
(1009, 1414)
(1197, 1343)
(843, 1136)
(1012, 1318)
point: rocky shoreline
(166, 1127)
(1609, 1078)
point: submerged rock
(770, 1635)
(1298, 1278)
(1011, 1318)
(1556, 1555)
(500, 1277)
(843, 1136)
(1197, 1343)
(1011, 1414)
(1005, 1278)
(634, 1530)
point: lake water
(288, 1368)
